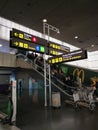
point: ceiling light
(0, 45)
(92, 45)
(76, 37)
(44, 20)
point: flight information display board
(22, 44)
(71, 56)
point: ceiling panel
(72, 17)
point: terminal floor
(8, 127)
(32, 115)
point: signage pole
(49, 69)
(49, 27)
(45, 86)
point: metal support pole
(50, 85)
(49, 27)
(49, 70)
(45, 86)
(45, 82)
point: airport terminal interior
(48, 65)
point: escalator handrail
(33, 64)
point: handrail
(63, 91)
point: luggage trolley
(83, 97)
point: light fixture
(44, 20)
(0, 45)
(92, 45)
(76, 37)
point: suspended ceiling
(72, 17)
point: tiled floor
(32, 115)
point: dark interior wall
(25, 74)
(22, 74)
(4, 78)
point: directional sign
(21, 44)
(23, 40)
(58, 47)
(71, 56)
(53, 52)
(27, 37)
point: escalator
(31, 107)
(57, 85)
